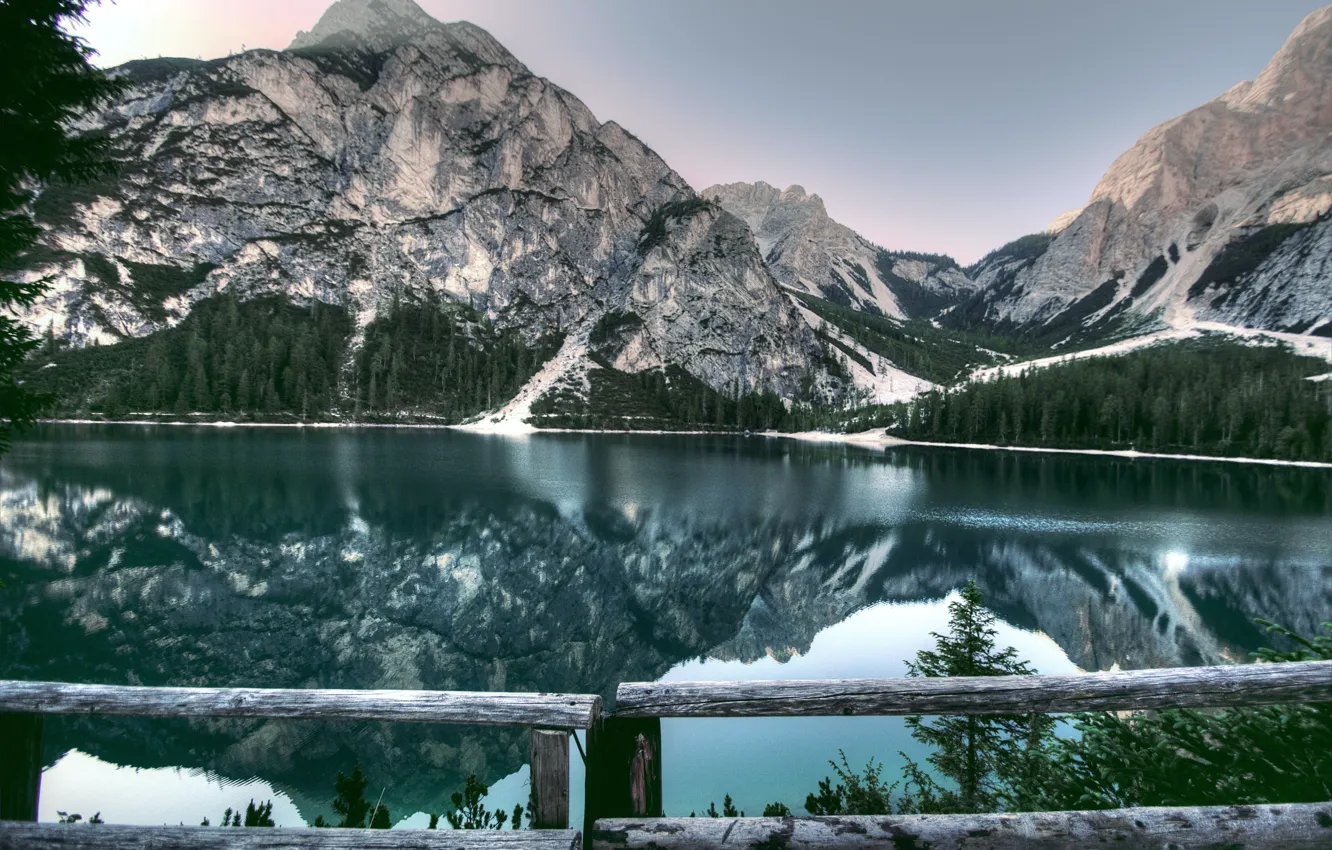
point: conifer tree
(983, 756)
(350, 801)
(46, 81)
(469, 810)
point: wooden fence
(552, 717)
(623, 806)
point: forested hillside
(915, 347)
(1206, 397)
(266, 359)
(665, 400)
(443, 360)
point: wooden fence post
(20, 765)
(623, 771)
(550, 779)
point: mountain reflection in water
(431, 559)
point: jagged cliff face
(740, 330)
(808, 251)
(1200, 219)
(382, 156)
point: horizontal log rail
(1288, 827)
(1183, 687)
(552, 711)
(624, 764)
(14, 835)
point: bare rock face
(385, 156)
(366, 22)
(1185, 195)
(810, 252)
(740, 331)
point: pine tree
(46, 82)
(260, 815)
(350, 801)
(469, 810)
(983, 756)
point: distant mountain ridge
(809, 251)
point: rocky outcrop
(739, 331)
(1157, 238)
(380, 24)
(382, 157)
(808, 251)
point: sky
(950, 126)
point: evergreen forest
(1204, 397)
(262, 358)
(441, 360)
(266, 359)
(668, 399)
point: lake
(416, 558)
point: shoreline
(873, 439)
(880, 440)
(469, 428)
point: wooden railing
(625, 769)
(623, 807)
(1136, 690)
(550, 711)
(552, 717)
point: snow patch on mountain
(1300, 344)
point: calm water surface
(429, 559)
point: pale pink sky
(928, 125)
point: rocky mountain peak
(390, 162)
(1301, 69)
(373, 22)
(809, 251)
(1247, 175)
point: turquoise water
(417, 558)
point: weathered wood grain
(1272, 827)
(566, 711)
(20, 766)
(624, 769)
(550, 779)
(110, 837)
(1185, 687)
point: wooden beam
(113, 837)
(20, 766)
(550, 779)
(1185, 687)
(560, 711)
(1268, 827)
(623, 769)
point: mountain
(393, 169)
(395, 218)
(807, 250)
(1219, 215)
